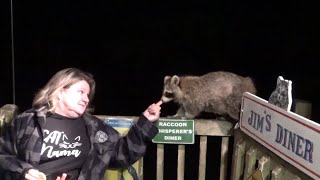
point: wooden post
(277, 173)
(264, 167)
(181, 158)
(303, 108)
(202, 157)
(160, 157)
(224, 158)
(238, 160)
(251, 157)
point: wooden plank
(224, 158)
(181, 159)
(264, 167)
(208, 127)
(160, 164)
(296, 178)
(290, 176)
(141, 170)
(250, 162)
(277, 173)
(238, 160)
(202, 157)
(303, 108)
(213, 127)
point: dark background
(129, 46)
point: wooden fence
(203, 128)
(257, 153)
(248, 154)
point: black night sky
(129, 46)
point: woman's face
(73, 100)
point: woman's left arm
(132, 147)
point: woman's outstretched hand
(152, 113)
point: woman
(59, 138)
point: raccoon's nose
(168, 94)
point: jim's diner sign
(292, 137)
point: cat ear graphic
(77, 138)
(64, 137)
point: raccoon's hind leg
(233, 106)
(191, 111)
(187, 112)
(180, 113)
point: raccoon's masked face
(171, 89)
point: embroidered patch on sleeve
(101, 137)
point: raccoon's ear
(166, 79)
(175, 80)
(280, 78)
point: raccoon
(217, 92)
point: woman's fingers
(159, 103)
(32, 174)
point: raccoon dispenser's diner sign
(175, 131)
(289, 135)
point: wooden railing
(203, 128)
(249, 156)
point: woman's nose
(85, 98)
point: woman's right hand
(152, 113)
(34, 174)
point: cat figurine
(282, 96)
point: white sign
(292, 137)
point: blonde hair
(46, 97)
